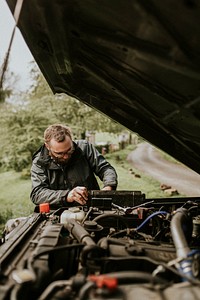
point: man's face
(61, 152)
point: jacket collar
(46, 160)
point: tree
(22, 125)
(8, 81)
(68, 110)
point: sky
(20, 56)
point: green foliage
(4, 94)
(14, 198)
(19, 135)
(5, 215)
(7, 81)
(22, 123)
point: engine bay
(138, 63)
(117, 247)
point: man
(64, 170)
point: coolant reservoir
(72, 213)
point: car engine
(120, 246)
(137, 62)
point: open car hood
(136, 61)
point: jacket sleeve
(100, 166)
(40, 192)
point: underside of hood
(137, 61)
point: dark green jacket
(51, 182)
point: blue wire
(193, 252)
(150, 217)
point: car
(138, 62)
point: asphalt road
(148, 160)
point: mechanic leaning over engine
(63, 170)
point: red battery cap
(44, 208)
(104, 281)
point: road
(148, 160)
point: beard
(59, 161)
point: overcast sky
(20, 56)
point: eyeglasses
(62, 154)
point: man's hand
(107, 188)
(78, 194)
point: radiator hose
(181, 230)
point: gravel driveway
(148, 160)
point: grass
(106, 137)
(15, 200)
(130, 178)
(14, 196)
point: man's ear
(47, 146)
